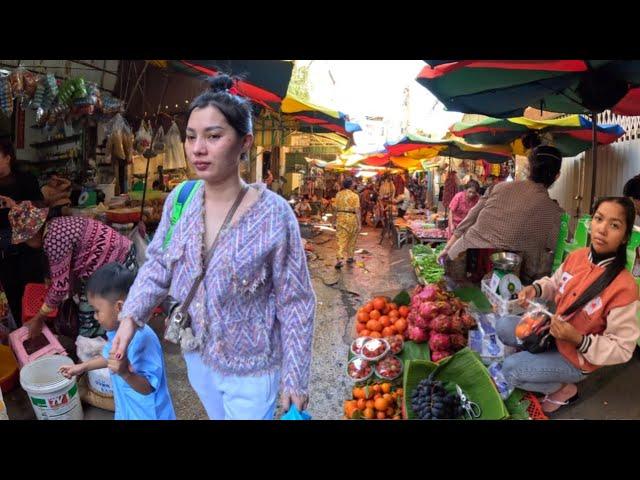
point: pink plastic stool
(18, 337)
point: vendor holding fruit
(595, 324)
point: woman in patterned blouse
(252, 315)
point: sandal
(556, 404)
(350, 261)
(339, 265)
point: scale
(504, 281)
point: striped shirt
(516, 216)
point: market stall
(430, 355)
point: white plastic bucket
(53, 397)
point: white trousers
(232, 397)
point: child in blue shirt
(139, 382)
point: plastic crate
(17, 339)
(501, 306)
(534, 409)
(32, 300)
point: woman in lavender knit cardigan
(254, 311)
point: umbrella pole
(594, 157)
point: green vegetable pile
(425, 259)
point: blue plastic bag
(295, 414)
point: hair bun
(220, 83)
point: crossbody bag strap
(225, 224)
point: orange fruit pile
(381, 318)
(381, 401)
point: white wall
(617, 163)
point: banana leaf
(414, 351)
(403, 298)
(474, 295)
(464, 369)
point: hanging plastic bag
(295, 414)
(120, 142)
(158, 141)
(174, 149)
(6, 96)
(141, 241)
(143, 138)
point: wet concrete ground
(611, 393)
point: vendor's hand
(35, 326)
(47, 282)
(442, 258)
(562, 330)
(69, 371)
(527, 293)
(123, 337)
(300, 401)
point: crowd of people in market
(243, 311)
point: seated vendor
(303, 208)
(595, 323)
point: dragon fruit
(423, 323)
(417, 334)
(439, 342)
(468, 321)
(456, 325)
(439, 355)
(428, 310)
(457, 341)
(441, 324)
(427, 293)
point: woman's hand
(562, 330)
(6, 202)
(35, 326)
(123, 337)
(300, 401)
(442, 258)
(527, 293)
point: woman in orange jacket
(596, 316)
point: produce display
(381, 318)
(356, 345)
(431, 401)
(359, 369)
(389, 368)
(438, 317)
(375, 402)
(425, 260)
(375, 349)
(396, 343)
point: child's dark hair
(111, 282)
(632, 188)
(619, 263)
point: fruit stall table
(396, 368)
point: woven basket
(94, 399)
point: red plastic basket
(534, 409)
(32, 299)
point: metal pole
(594, 157)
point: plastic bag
(295, 414)
(505, 389)
(158, 141)
(88, 348)
(143, 138)
(484, 340)
(174, 149)
(141, 242)
(6, 96)
(120, 142)
(533, 331)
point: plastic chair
(580, 238)
(562, 239)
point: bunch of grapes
(431, 401)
